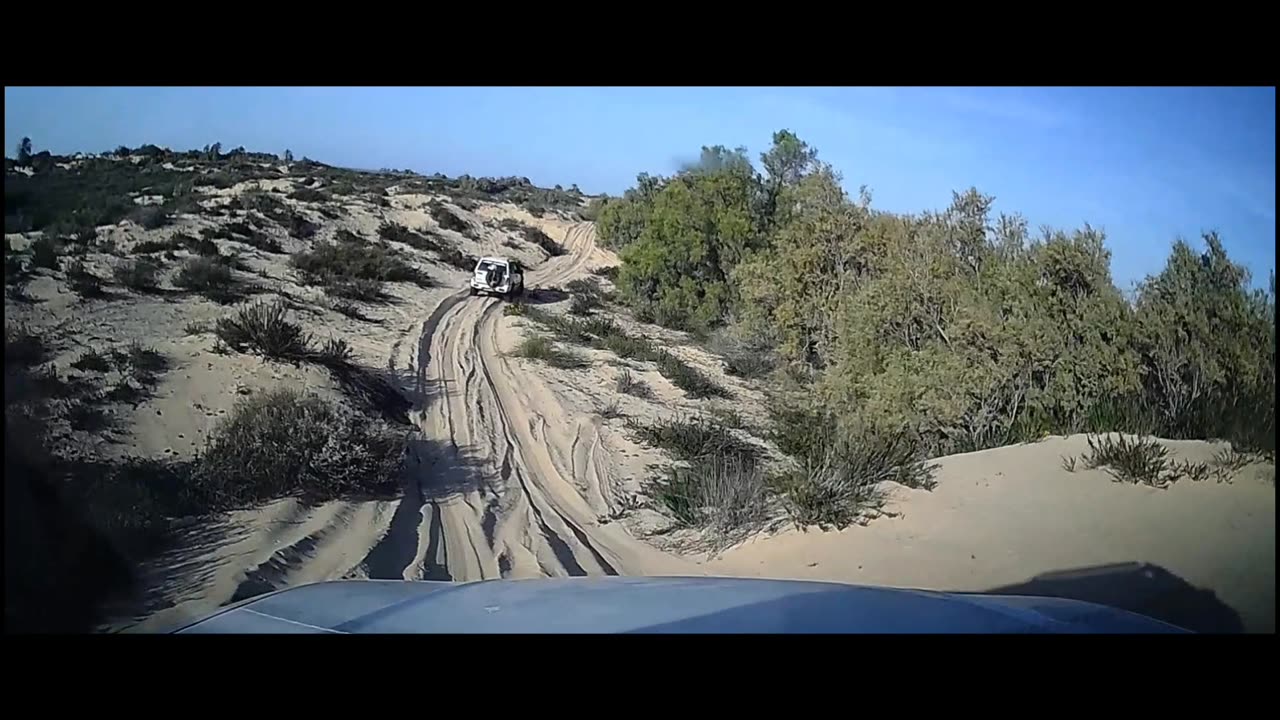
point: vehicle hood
(656, 605)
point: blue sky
(1145, 164)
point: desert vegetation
(145, 224)
(899, 337)
(957, 327)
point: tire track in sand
(488, 498)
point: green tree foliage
(954, 325)
(24, 151)
(1208, 346)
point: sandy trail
(493, 492)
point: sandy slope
(490, 490)
(501, 499)
(1006, 518)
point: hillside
(230, 372)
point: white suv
(498, 276)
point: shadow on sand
(544, 296)
(434, 472)
(1137, 587)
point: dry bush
(630, 385)
(288, 443)
(142, 274)
(539, 347)
(264, 328)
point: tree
(789, 160)
(24, 151)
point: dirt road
(493, 491)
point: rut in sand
(499, 496)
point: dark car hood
(656, 605)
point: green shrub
(361, 289)
(628, 384)
(689, 439)
(287, 443)
(307, 194)
(1139, 460)
(264, 328)
(200, 246)
(45, 252)
(210, 277)
(446, 250)
(82, 280)
(541, 348)
(138, 274)
(611, 410)
(352, 260)
(93, 361)
(841, 482)
(688, 378)
(148, 247)
(151, 217)
(335, 351)
(23, 348)
(726, 494)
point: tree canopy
(956, 325)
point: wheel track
(492, 500)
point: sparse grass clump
(839, 483)
(141, 363)
(1140, 460)
(719, 483)
(611, 410)
(287, 443)
(726, 494)
(335, 351)
(301, 228)
(210, 277)
(92, 361)
(744, 356)
(540, 347)
(142, 275)
(688, 378)
(264, 328)
(628, 384)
